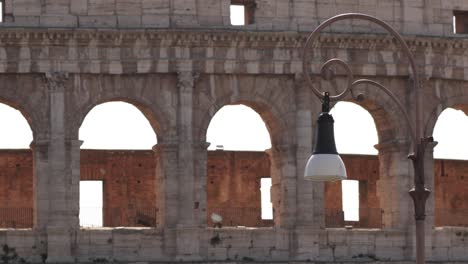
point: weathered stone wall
(412, 17)
(179, 62)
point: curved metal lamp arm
(392, 96)
(325, 69)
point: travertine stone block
(413, 14)
(210, 21)
(155, 6)
(128, 7)
(265, 8)
(129, 21)
(58, 21)
(101, 7)
(27, 7)
(155, 21)
(79, 7)
(185, 21)
(98, 21)
(184, 7)
(23, 21)
(308, 9)
(55, 7)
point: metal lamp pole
(419, 193)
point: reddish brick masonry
(365, 169)
(233, 188)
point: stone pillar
(187, 224)
(185, 156)
(201, 173)
(309, 196)
(283, 190)
(166, 178)
(73, 172)
(167, 192)
(395, 180)
(62, 219)
(40, 150)
(310, 204)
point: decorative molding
(122, 38)
(186, 80)
(55, 81)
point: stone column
(40, 150)
(62, 219)
(310, 204)
(73, 173)
(185, 151)
(166, 178)
(167, 192)
(309, 196)
(395, 181)
(201, 173)
(187, 224)
(283, 191)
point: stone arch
(155, 118)
(388, 117)
(273, 99)
(459, 102)
(19, 210)
(268, 116)
(30, 118)
(446, 175)
(368, 145)
(394, 141)
(114, 211)
(277, 126)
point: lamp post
(324, 165)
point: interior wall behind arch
(236, 163)
(16, 170)
(355, 137)
(451, 169)
(117, 151)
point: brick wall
(365, 169)
(16, 188)
(129, 185)
(233, 188)
(451, 192)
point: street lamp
(325, 156)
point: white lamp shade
(325, 167)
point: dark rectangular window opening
(460, 22)
(242, 12)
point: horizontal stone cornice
(218, 38)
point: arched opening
(450, 169)
(238, 173)
(354, 201)
(117, 170)
(16, 170)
